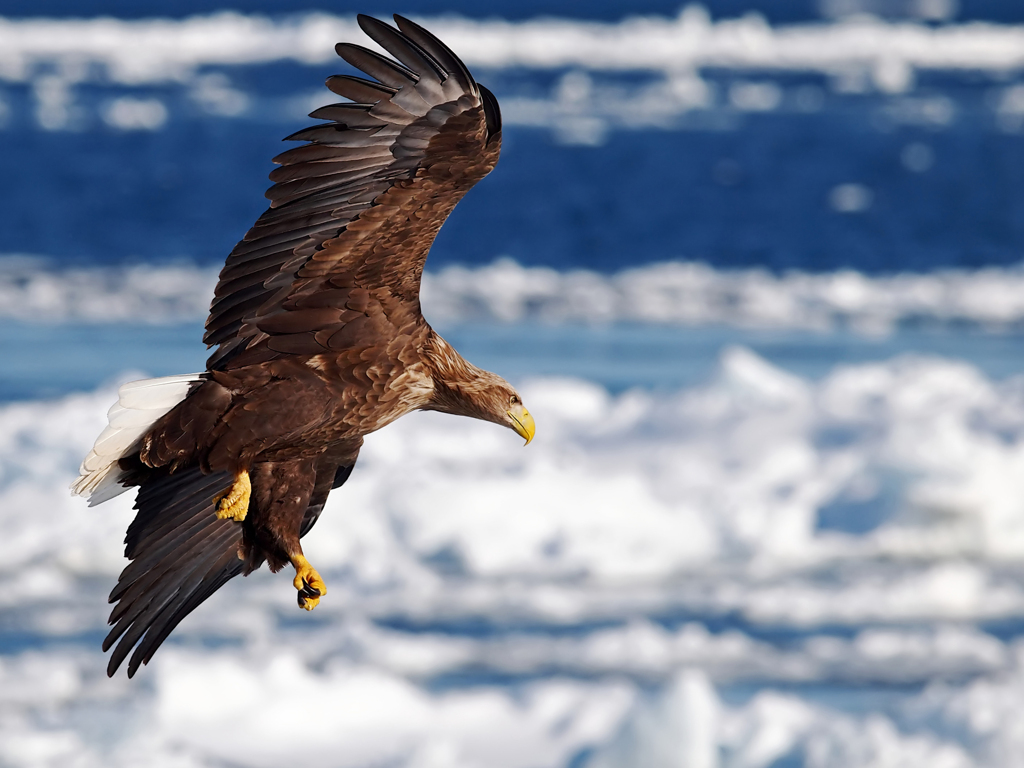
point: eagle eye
(514, 400)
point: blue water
(731, 189)
(753, 195)
(741, 189)
(618, 357)
(726, 187)
(777, 11)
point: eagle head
(494, 399)
(519, 419)
(464, 390)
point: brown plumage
(320, 341)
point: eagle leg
(234, 504)
(308, 582)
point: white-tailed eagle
(319, 341)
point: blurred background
(755, 266)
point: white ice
(672, 293)
(603, 597)
(167, 50)
(694, 71)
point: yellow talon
(234, 504)
(311, 587)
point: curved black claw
(307, 593)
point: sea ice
(652, 566)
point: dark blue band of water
(777, 11)
(757, 193)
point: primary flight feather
(319, 341)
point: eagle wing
(336, 260)
(182, 553)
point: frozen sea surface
(761, 289)
(659, 327)
(761, 566)
(769, 520)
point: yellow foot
(235, 503)
(311, 587)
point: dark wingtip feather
(492, 112)
(444, 55)
(181, 554)
(400, 46)
(348, 115)
(359, 89)
(380, 67)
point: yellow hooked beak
(522, 422)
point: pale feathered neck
(459, 386)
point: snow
(689, 294)
(600, 598)
(167, 50)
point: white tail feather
(139, 404)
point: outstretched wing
(181, 554)
(353, 212)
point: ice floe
(161, 50)
(652, 566)
(672, 293)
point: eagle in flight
(319, 341)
